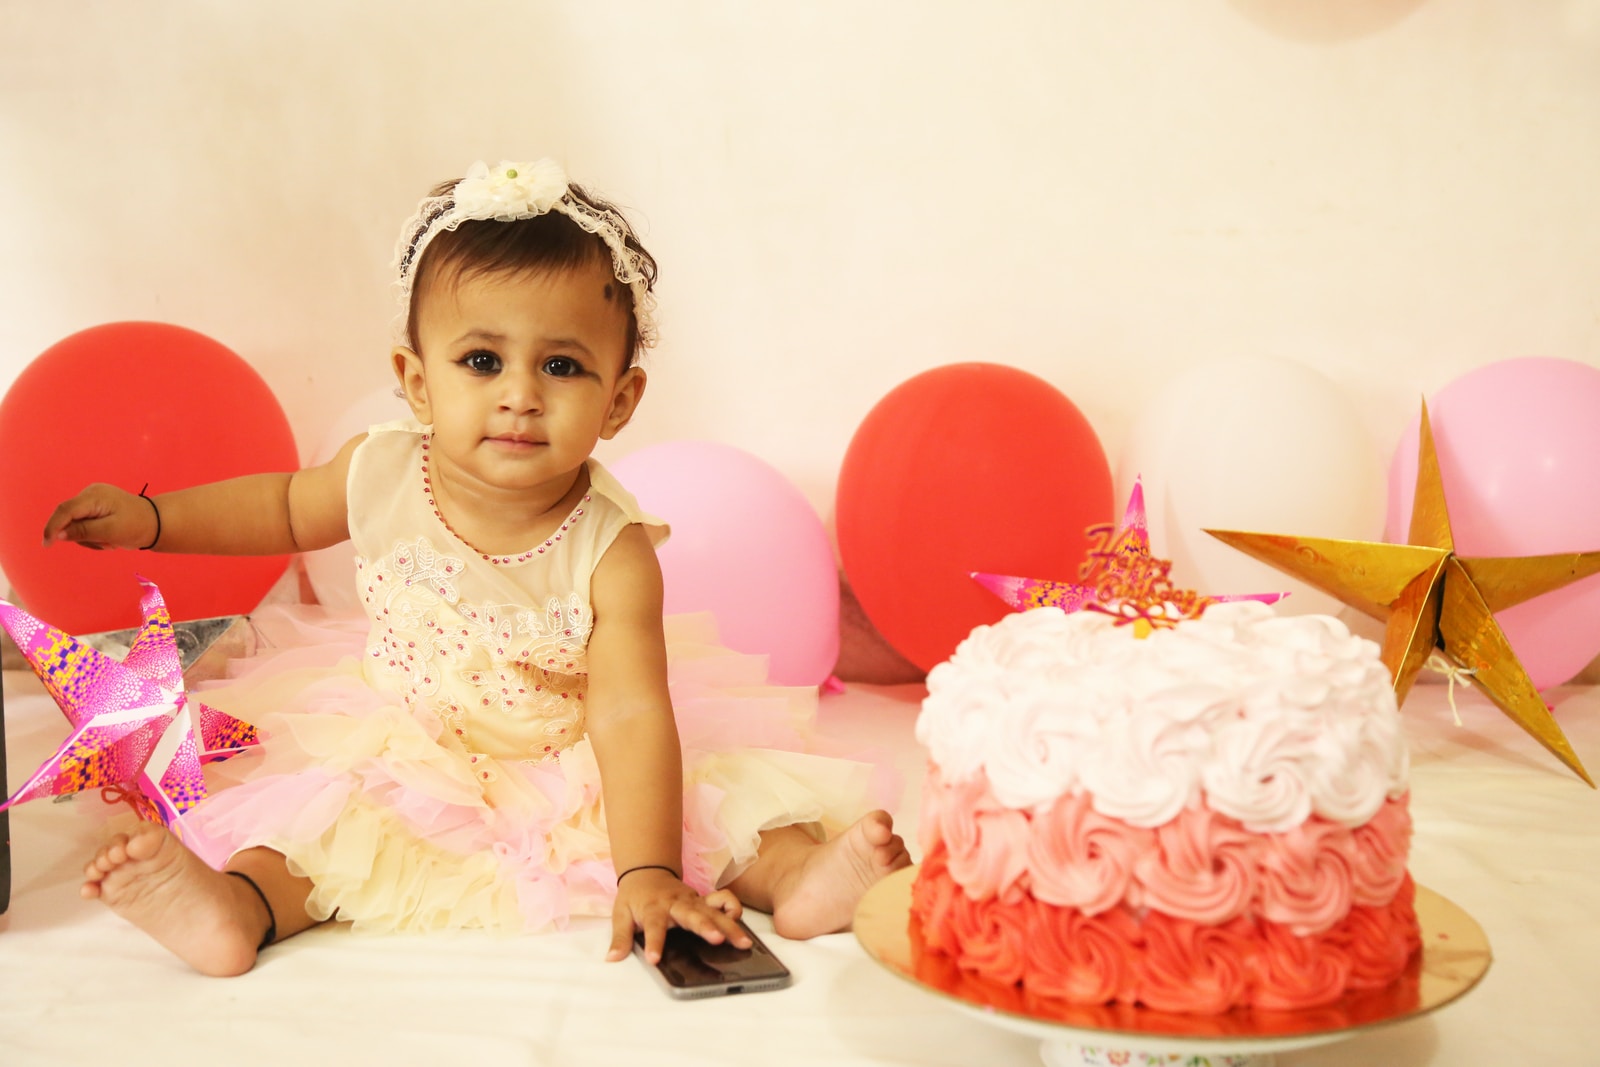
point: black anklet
(272, 920)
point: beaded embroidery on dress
(437, 774)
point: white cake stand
(1455, 955)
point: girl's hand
(652, 900)
(103, 516)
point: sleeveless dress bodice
(495, 646)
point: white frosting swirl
(1266, 719)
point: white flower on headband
(510, 190)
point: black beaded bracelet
(157, 510)
(649, 867)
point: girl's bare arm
(256, 515)
(636, 745)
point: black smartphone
(692, 967)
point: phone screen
(693, 967)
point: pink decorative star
(136, 736)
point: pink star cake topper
(1126, 543)
(136, 736)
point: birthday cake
(1206, 815)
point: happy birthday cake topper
(1119, 570)
(1132, 585)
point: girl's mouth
(515, 441)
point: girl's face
(520, 375)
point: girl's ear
(624, 401)
(413, 385)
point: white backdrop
(840, 193)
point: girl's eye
(562, 367)
(481, 362)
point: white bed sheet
(1501, 829)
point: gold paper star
(1430, 598)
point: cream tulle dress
(427, 767)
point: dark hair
(547, 242)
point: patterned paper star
(1130, 538)
(136, 736)
(1433, 599)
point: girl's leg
(812, 887)
(212, 920)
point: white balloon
(1262, 445)
(332, 571)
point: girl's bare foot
(819, 894)
(212, 921)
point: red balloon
(968, 467)
(131, 403)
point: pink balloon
(1518, 443)
(747, 547)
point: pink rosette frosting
(1194, 967)
(1363, 756)
(934, 896)
(1378, 864)
(1265, 719)
(1254, 775)
(992, 938)
(1379, 941)
(1143, 770)
(1079, 858)
(1210, 818)
(1403, 910)
(1297, 972)
(1173, 964)
(929, 813)
(986, 844)
(1305, 876)
(1083, 959)
(1203, 868)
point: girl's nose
(519, 390)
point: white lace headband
(512, 191)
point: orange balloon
(967, 467)
(131, 403)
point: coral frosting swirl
(1159, 960)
